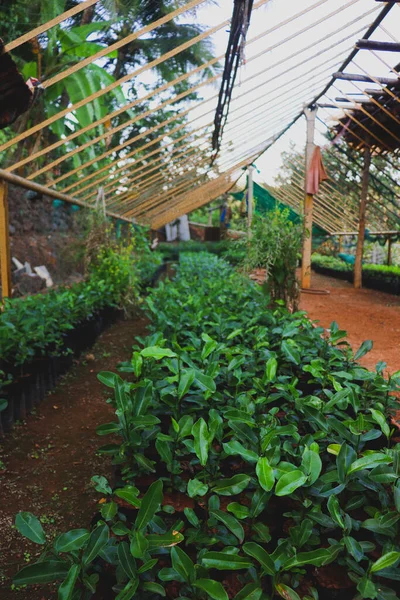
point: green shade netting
(265, 203)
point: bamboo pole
(250, 199)
(310, 114)
(361, 225)
(5, 253)
(389, 254)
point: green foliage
(377, 276)
(277, 441)
(36, 325)
(275, 245)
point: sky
(292, 50)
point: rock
(28, 268)
(29, 284)
(11, 229)
(17, 263)
(44, 274)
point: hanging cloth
(316, 172)
(16, 96)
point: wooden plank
(380, 46)
(5, 252)
(365, 78)
(361, 226)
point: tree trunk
(361, 225)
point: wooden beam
(5, 253)
(310, 114)
(389, 254)
(46, 191)
(380, 46)
(361, 226)
(359, 101)
(365, 78)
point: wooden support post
(361, 225)
(389, 254)
(340, 244)
(250, 199)
(5, 253)
(310, 114)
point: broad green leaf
(46, 571)
(344, 460)
(369, 461)
(165, 540)
(291, 351)
(251, 591)
(318, 558)
(311, 464)
(148, 565)
(354, 548)
(191, 517)
(137, 363)
(290, 482)
(30, 527)
(286, 592)
(210, 346)
(240, 511)
(385, 561)
(97, 541)
(201, 440)
(129, 590)
(335, 512)
(126, 560)
(149, 504)
(363, 349)
(270, 369)
(214, 589)
(258, 502)
(232, 486)
(66, 589)
(101, 485)
(367, 588)
(183, 564)
(154, 588)
(108, 429)
(235, 448)
(109, 379)
(130, 494)
(186, 380)
(205, 382)
(3, 404)
(157, 353)
(230, 523)
(71, 541)
(195, 487)
(257, 552)
(265, 474)
(225, 562)
(380, 418)
(139, 544)
(109, 510)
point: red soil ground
(365, 315)
(47, 462)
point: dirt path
(365, 315)
(47, 462)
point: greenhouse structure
(199, 299)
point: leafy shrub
(273, 447)
(274, 246)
